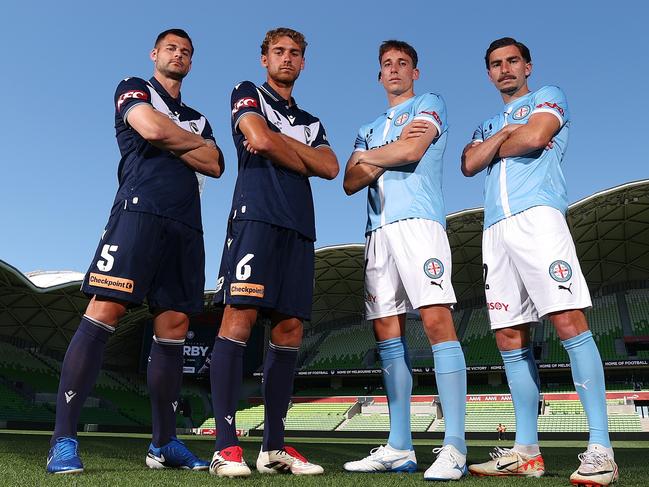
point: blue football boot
(64, 457)
(174, 455)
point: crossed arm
(365, 167)
(200, 154)
(511, 141)
(287, 152)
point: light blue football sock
(588, 376)
(450, 374)
(523, 379)
(397, 379)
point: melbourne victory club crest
(401, 119)
(560, 271)
(521, 112)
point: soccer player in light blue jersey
(398, 157)
(530, 263)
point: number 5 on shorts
(243, 270)
(107, 264)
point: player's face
(284, 61)
(172, 57)
(397, 72)
(508, 71)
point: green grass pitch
(118, 460)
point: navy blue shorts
(144, 256)
(266, 266)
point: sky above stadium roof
(63, 61)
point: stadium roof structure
(610, 228)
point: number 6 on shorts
(243, 270)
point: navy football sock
(79, 372)
(226, 371)
(279, 369)
(164, 377)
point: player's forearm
(161, 132)
(319, 162)
(523, 141)
(359, 176)
(207, 160)
(396, 154)
(476, 156)
(271, 146)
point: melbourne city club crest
(434, 268)
(560, 271)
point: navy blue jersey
(153, 180)
(264, 191)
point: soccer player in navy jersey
(151, 248)
(530, 262)
(268, 257)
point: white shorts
(531, 268)
(407, 266)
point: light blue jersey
(413, 190)
(514, 184)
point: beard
(173, 72)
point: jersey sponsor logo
(434, 268)
(109, 282)
(401, 119)
(554, 106)
(244, 289)
(137, 94)
(496, 305)
(246, 102)
(521, 112)
(194, 127)
(560, 271)
(434, 115)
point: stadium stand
(478, 340)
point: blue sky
(64, 59)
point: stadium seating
(478, 341)
(344, 348)
(381, 422)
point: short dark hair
(504, 42)
(175, 32)
(273, 35)
(399, 46)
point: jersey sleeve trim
(128, 110)
(431, 119)
(549, 110)
(238, 119)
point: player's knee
(105, 311)
(171, 324)
(569, 323)
(288, 333)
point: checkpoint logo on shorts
(110, 282)
(434, 268)
(245, 289)
(521, 112)
(560, 271)
(401, 119)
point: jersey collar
(160, 89)
(277, 97)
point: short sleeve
(129, 93)
(320, 137)
(551, 99)
(478, 135)
(244, 100)
(431, 107)
(360, 144)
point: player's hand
(550, 145)
(415, 129)
(248, 147)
